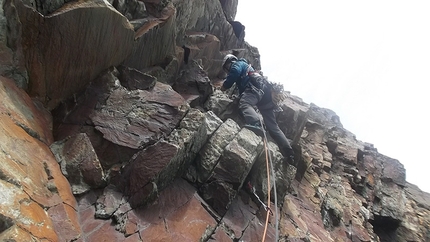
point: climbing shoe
(290, 160)
(255, 128)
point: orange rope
(268, 193)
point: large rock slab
(138, 119)
(193, 84)
(280, 174)
(133, 79)
(178, 199)
(29, 115)
(229, 174)
(384, 179)
(416, 221)
(210, 153)
(179, 214)
(154, 41)
(33, 189)
(18, 210)
(130, 9)
(32, 169)
(293, 117)
(224, 105)
(205, 16)
(299, 223)
(119, 122)
(65, 222)
(205, 48)
(154, 168)
(63, 32)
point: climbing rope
(269, 160)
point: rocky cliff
(113, 129)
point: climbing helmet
(228, 59)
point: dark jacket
(238, 75)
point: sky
(368, 61)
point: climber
(255, 90)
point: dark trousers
(251, 98)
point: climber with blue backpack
(255, 91)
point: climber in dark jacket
(256, 93)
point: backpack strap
(247, 72)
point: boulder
(120, 122)
(205, 48)
(194, 85)
(208, 156)
(293, 117)
(229, 174)
(225, 106)
(138, 119)
(281, 174)
(109, 202)
(154, 168)
(133, 79)
(79, 163)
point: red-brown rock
(23, 111)
(64, 219)
(144, 168)
(46, 38)
(178, 209)
(79, 162)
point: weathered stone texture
(12, 62)
(137, 119)
(174, 202)
(231, 170)
(208, 156)
(154, 42)
(31, 180)
(194, 85)
(33, 118)
(133, 79)
(46, 38)
(79, 163)
(118, 121)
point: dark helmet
(228, 59)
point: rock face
(36, 200)
(61, 62)
(112, 129)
